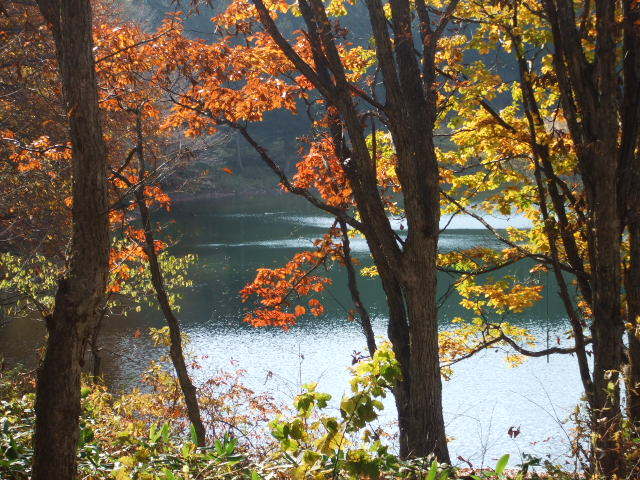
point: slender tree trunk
(80, 294)
(560, 231)
(238, 155)
(176, 352)
(175, 346)
(363, 314)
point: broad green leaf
(502, 464)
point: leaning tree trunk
(175, 339)
(80, 293)
(352, 283)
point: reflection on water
(234, 237)
(448, 241)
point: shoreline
(183, 197)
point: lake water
(233, 237)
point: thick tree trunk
(607, 330)
(81, 293)
(427, 431)
(589, 92)
(413, 332)
(408, 274)
(630, 199)
(58, 402)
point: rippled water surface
(232, 237)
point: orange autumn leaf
(274, 288)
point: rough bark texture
(630, 199)
(407, 269)
(80, 293)
(603, 122)
(601, 104)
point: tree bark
(607, 328)
(363, 314)
(176, 352)
(80, 293)
(175, 346)
(94, 345)
(427, 432)
(630, 199)
(407, 269)
(589, 95)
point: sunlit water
(233, 237)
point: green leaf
(154, 433)
(168, 475)
(433, 470)
(164, 433)
(502, 464)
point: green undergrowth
(143, 435)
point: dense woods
(403, 116)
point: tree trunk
(363, 314)
(607, 330)
(427, 431)
(175, 347)
(94, 345)
(80, 294)
(630, 199)
(398, 333)
(408, 274)
(589, 92)
(57, 405)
